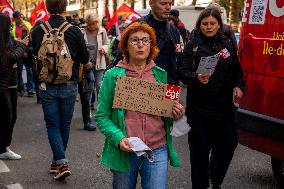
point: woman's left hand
(178, 110)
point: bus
(260, 117)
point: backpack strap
(64, 26)
(48, 25)
(45, 27)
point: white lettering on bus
(274, 9)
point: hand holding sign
(203, 78)
(178, 110)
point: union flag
(131, 15)
(6, 8)
(39, 13)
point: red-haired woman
(139, 48)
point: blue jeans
(154, 175)
(98, 82)
(30, 79)
(120, 180)
(58, 103)
(98, 79)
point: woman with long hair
(213, 74)
(10, 52)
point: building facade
(83, 7)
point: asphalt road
(249, 169)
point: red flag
(6, 8)
(39, 13)
(108, 14)
(131, 15)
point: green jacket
(27, 24)
(111, 122)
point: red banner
(107, 14)
(39, 13)
(131, 15)
(6, 8)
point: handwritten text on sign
(145, 96)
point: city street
(249, 169)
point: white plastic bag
(180, 127)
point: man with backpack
(60, 48)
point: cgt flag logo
(172, 92)
(6, 8)
(39, 13)
(131, 15)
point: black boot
(89, 127)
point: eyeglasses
(145, 41)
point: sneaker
(53, 168)
(10, 155)
(62, 172)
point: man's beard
(163, 16)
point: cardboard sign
(145, 96)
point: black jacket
(229, 33)
(215, 99)
(8, 74)
(168, 40)
(73, 38)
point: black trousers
(212, 144)
(85, 98)
(8, 116)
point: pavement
(249, 169)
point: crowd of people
(89, 59)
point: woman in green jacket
(139, 48)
